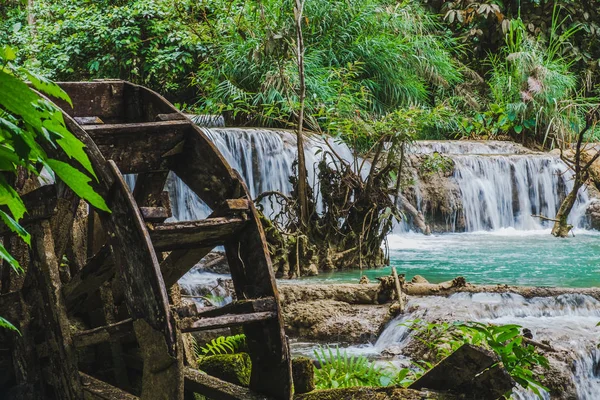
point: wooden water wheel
(132, 341)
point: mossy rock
(234, 368)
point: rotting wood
(103, 334)
(155, 214)
(98, 270)
(194, 234)
(138, 147)
(62, 360)
(40, 203)
(179, 262)
(240, 307)
(225, 321)
(493, 383)
(201, 383)
(399, 292)
(95, 389)
(148, 190)
(129, 112)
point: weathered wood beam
(103, 334)
(214, 388)
(101, 99)
(149, 190)
(62, 359)
(155, 214)
(231, 207)
(179, 262)
(145, 295)
(138, 147)
(41, 203)
(170, 117)
(98, 270)
(95, 389)
(225, 321)
(202, 167)
(194, 234)
(240, 307)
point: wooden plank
(62, 360)
(179, 262)
(149, 189)
(214, 388)
(456, 370)
(86, 282)
(95, 389)
(170, 117)
(138, 147)
(41, 203)
(108, 333)
(88, 120)
(155, 214)
(493, 383)
(231, 207)
(145, 296)
(202, 167)
(101, 99)
(225, 321)
(240, 307)
(253, 277)
(194, 234)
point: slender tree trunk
(561, 226)
(302, 174)
(30, 14)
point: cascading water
(568, 322)
(500, 185)
(264, 159)
(505, 191)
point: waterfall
(567, 321)
(264, 159)
(505, 191)
(499, 185)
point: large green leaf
(78, 182)
(10, 198)
(72, 146)
(46, 86)
(6, 324)
(15, 227)
(6, 256)
(18, 98)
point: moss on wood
(234, 368)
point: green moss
(234, 368)
(304, 375)
(365, 393)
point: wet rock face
(333, 321)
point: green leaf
(46, 86)
(72, 146)
(518, 128)
(11, 199)
(6, 256)
(78, 182)
(7, 325)
(15, 227)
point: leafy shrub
(516, 356)
(436, 163)
(222, 345)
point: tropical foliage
(29, 125)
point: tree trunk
(561, 227)
(302, 174)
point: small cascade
(498, 185)
(567, 321)
(263, 157)
(505, 191)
